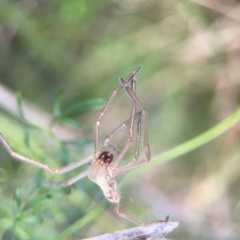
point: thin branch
(150, 232)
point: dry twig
(150, 232)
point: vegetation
(60, 60)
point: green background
(63, 58)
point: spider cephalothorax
(105, 158)
(104, 166)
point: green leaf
(83, 106)
(57, 104)
(42, 198)
(72, 122)
(63, 152)
(38, 177)
(27, 140)
(37, 200)
(23, 120)
(19, 104)
(17, 202)
(31, 219)
(17, 195)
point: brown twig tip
(150, 232)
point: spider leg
(131, 121)
(131, 219)
(120, 127)
(41, 165)
(117, 207)
(127, 217)
(68, 182)
(107, 144)
(138, 138)
(133, 87)
(133, 117)
(110, 99)
(143, 117)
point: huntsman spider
(104, 165)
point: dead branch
(150, 232)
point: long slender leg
(134, 164)
(120, 213)
(144, 115)
(107, 145)
(68, 182)
(126, 216)
(130, 139)
(138, 138)
(120, 127)
(130, 166)
(110, 99)
(133, 87)
(133, 97)
(41, 165)
(131, 219)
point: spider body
(101, 172)
(104, 166)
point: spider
(104, 166)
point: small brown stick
(150, 232)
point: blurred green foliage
(65, 57)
